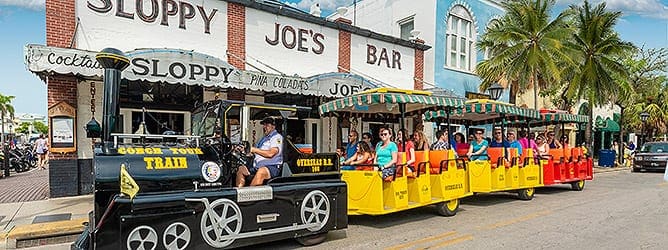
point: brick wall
(419, 68)
(344, 47)
(60, 26)
(236, 34)
(236, 43)
(60, 22)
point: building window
(405, 27)
(460, 40)
(493, 23)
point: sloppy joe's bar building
(190, 51)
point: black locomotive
(177, 192)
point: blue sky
(645, 22)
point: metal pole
(447, 122)
(402, 110)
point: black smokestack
(114, 62)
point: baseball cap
(269, 120)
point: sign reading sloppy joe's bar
(192, 68)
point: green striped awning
(481, 112)
(372, 102)
(553, 118)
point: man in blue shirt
(268, 156)
(351, 148)
(514, 143)
(498, 141)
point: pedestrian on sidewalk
(41, 148)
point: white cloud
(325, 5)
(28, 4)
(647, 8)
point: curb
(605, 170)
(44, 230)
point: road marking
(516, 220)
(415, 242)
(452, 241)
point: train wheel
(221, 223)
(448, 208)
(315, 210)
(526, 194)
(311, 240)
(578, 185)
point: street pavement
(617, 210)
(27, 186)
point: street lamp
(495, 91)
(643, 117)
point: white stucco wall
(321, 45)
(383, 16)
(97, 31)
(399, 68)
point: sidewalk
(37, 219)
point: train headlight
(210, 171)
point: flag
(128, 185)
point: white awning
(187, 67)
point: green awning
(385, 101)
(557, 118)
(479, 112)
(607, 126)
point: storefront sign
(473, 95)
(129, 24)
(62, 132)
(284, 45)
(389, 63)
(187, 67)
(153, 65)
(149, 11)
(302, 39)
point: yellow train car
(439, 178)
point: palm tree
(597, 46)
(5, 108)
(526, 46)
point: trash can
(606, 158)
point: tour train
(177, 192)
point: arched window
(491, 24)
(460, 40)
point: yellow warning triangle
(128, 185)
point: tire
(526, 194)
(311, 240)
(448, 208)
(578, 185)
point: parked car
(652, 156)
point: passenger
(362, 157)
(478, 148)
(386, 154)
(564, 141)
(409, 149)
(459, 138)
(351, 148)
(542, 148)
(366, 137)
(420, 141)
(514, 143)
(498, 141)
(527, 141)
(268, 156)
(339, 153)
(442, 142)
(551, 141)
